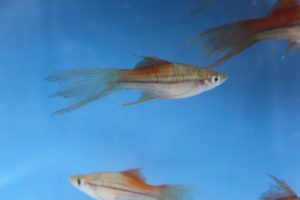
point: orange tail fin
(231, 39)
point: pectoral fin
(145, 96)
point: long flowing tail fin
(83, 86)
(231, 39)
(176, 192)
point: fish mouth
(72, 179)
(75, 180)
(223, 77)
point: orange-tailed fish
(279, 191)
(156, 78)
(126, 185)
(282, 22)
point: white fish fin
(150, 62)
(283, 5)
(135, 173)
(83, 86)
(278, 191)
(176, 192)
(291, 45)
(145, 96)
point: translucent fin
(145, 96)
(151, 61)
(232, 52)
(283, 185)
(231, 39)
(134, 173)
(176, 192)
(279, 191)
(203, 5)
(83, 86)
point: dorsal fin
(283, 5)
(150, 62)
(285, 187)
(280, 190)
(134, 173)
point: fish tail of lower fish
(176, 192)
(82, 86)
(231, 39)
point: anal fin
(145, 96)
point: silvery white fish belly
(121, 194)
(173, 90)
(175, 81)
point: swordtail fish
(126, 185)
(154, 77)
(282, 22)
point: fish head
(98, 185)
(82, 183)
(213, 79)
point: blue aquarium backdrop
(223, 142)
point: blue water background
(223, 142)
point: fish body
(171, 81)
(279, 191)
(156, 78)
(125, 185)
(282, 22)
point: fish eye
(215, 79)
(78, 181)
